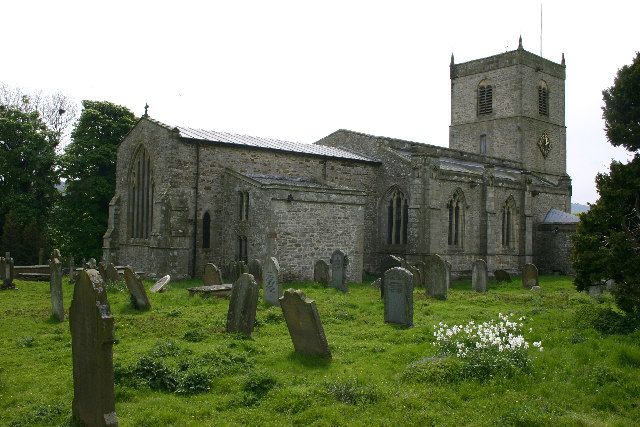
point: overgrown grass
(175, 365)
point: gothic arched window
(206, 230)
(485, 97)
(397, 218)
(508, 222)
(456, 208)
(140, 211)
(242, 248)
(543, 98)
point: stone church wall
(553, 248)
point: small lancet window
(508, 217)
(485, 98)
(206, 231)
(243, 205)
(397, 218)
(483, 144)
(543, 98)
(140, 197)
(242, 248)
(456, 207)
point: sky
(299, 70)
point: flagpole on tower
(540, 28)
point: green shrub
(352, 392)
(27, 341)
(194, 335)
(194, 381)
(158, 375)
(256, 387)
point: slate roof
(556, 216)
(269, 144)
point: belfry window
(206, 231)
(543, 98)
(243, 205)
(140, 197)
(397, 218)
(508, 217)
(485, 98)
(456, 208)
(242, 248)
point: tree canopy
(621, 110)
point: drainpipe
(195, 214)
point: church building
(500, 192)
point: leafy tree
(28, 177)
(607, 241)
(89, 165)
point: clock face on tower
(544, 144)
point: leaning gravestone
(321, 272)
(111, 273)
(55, 282)
(242, 306)
(303, 322)
(139, 296)
(272, 286)
(255, 269)
(92, 338)
(339, 263)
(502, 276)
(211, 276)
(479, 276)
(529, 276)
(159, 286)
(398, 296)
(435, 277)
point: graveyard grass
(581, 378)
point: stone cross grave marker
(339, 263)
(161, 284)
(111, 273)
(272, 285)
(55, 286)
(398, 296)
(134, 283)
(243, 304)
(211, 276)
(321, 272)
(479, 275)
(92, 338)
(303, 322)
(255, 269)
(529, 276)
(502, 276)
(436, 277)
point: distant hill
(577, 208)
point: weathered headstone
(422, 268)
(55, 282)
(447, 277)
(479, 276)
(417, 275)
(502, 276)
(7, 278)
(134, 283)
(272, 285)
(232, 272)
(339, 263)
(161, 284)
(102, 269)
(211, 276)
(243, 304)
(398, 296)
(436, 276)
(92, 337)
(303, 322)
(529, 276)
(111, 273)
(389, 262)
(255, 269)
(321, 272)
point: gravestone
(3, 270)
(102, 269)
(417, 276)
(92, 338)
(447, 277)
(255, 269)
(479, 276)
(139, 297)
(339, 263)
(91, 264)
(321, 272)
(242, 306)
(211, 276)
(241, 268)
(272, 286)
(111, 273)
(232, 271)
(529, 276)
(55, 286)
(161, 284)
(389, 262)
(303, 322)
(398, 296)
(502, 276)
(7, 269)
(422, 268)
(436, 277)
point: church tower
(511, 106)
